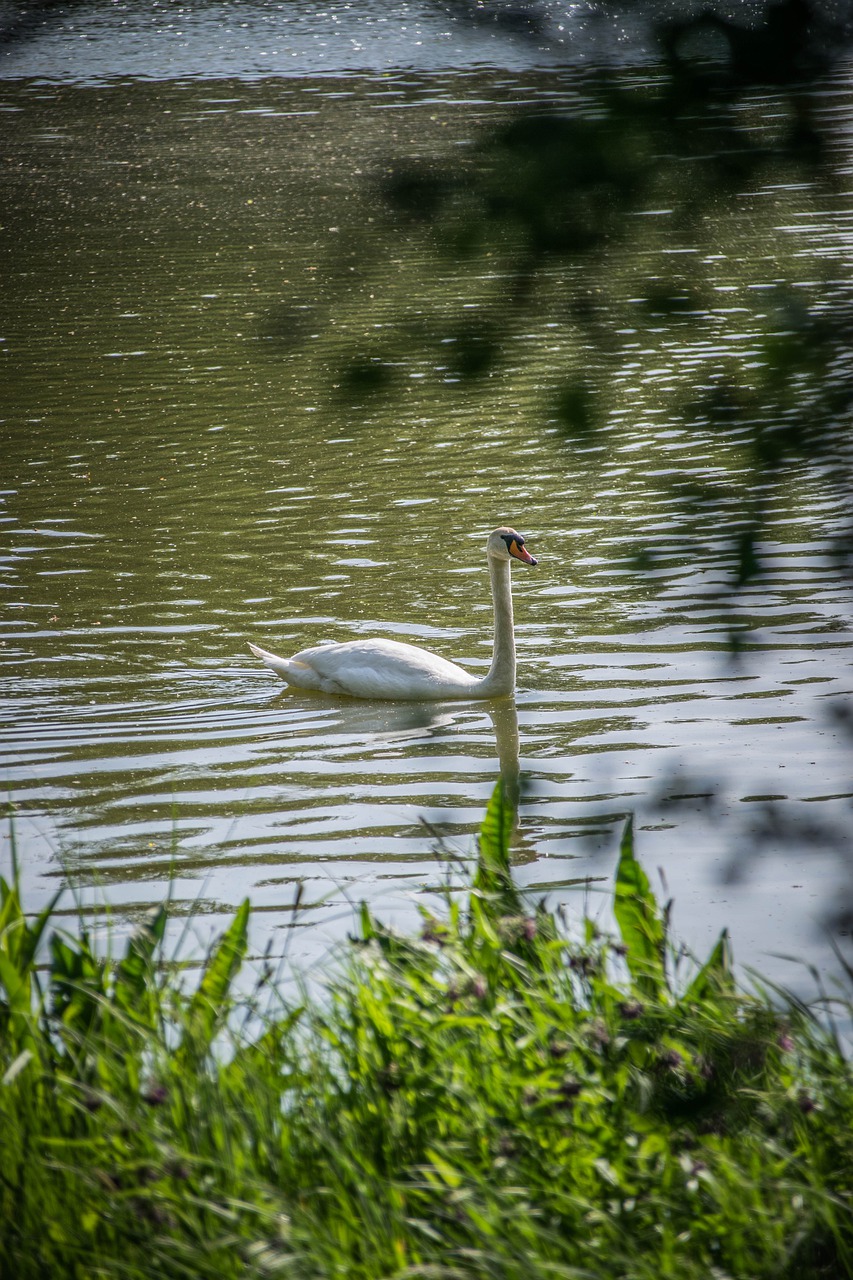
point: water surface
(190, 269)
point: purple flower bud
(155, 1095)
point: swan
(391, 669)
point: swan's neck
(501, 678)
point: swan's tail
(280, 666)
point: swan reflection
(395, 728)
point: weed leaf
(639, 920)
(209, 1001)
(716, 975)
(493, 871)
(132, 977)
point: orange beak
(521, 553)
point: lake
(201, 278)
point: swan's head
(505, 544)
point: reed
(492, 1096)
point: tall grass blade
(209, 1001)
(493, 876)
(716, 976)
(639, 919)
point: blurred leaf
(133, 973)
(575, 410)
(474, 350)
(368, 928)
(417, 192)
(748, 564)
(17, 1066)
(78, 983)
(364, 377)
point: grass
(487, 1098)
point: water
(189, 268)
(92, 42)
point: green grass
(489, 1097)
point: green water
(200, 280)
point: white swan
(389, 669)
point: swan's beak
(521, 553)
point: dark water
(188, 266)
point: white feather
(405, 672)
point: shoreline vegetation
(493, 1096)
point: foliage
(494, 1096)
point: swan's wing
(383, 669)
